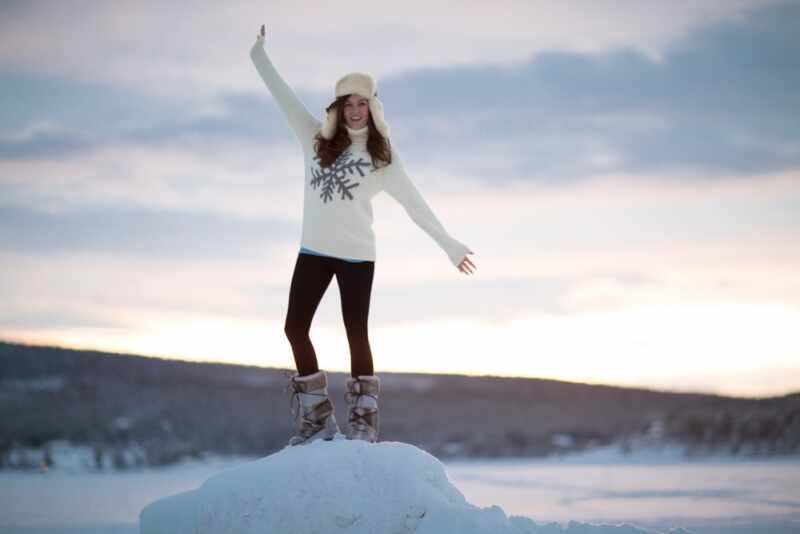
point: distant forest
(143, 411)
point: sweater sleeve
(399, 186)
(304, 125)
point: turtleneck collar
(359, 135)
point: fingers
(468, 262)
(464, 266)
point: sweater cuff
(456, 251)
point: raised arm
(302, 122)
(400, 187)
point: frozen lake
(657, 490)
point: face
(356, 111)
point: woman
(348, 160)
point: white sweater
(337, 200)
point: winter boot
(313, 412)
(362, 400)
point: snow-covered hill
(341, 486)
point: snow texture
(342, 486)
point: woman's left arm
(399, 186)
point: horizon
(422, 373)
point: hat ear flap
(376, 108)
(329, 127)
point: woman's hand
(260, 35)
(465, 264)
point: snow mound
(341, 486)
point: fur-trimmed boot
(362, 401)
(313, 411)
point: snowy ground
(654, 489)
(649, 489)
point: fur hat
(362, 84)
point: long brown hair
(328, 150)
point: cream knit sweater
(337, 200)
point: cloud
(136, 231)
(52, 117)
(167, 50)
(244, 180)
(716, 99)
(95, 286)
(45, 319)
(593, 246)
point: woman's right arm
(302, 122)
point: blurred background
(627, 174)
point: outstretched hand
(260, 35)
(465, 265)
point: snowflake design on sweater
(336, 178)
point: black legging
(312, 275)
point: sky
(626, 173)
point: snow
(14, 387)
(651, 487)
(660, 454)
(342, 486)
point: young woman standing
(348, 160)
